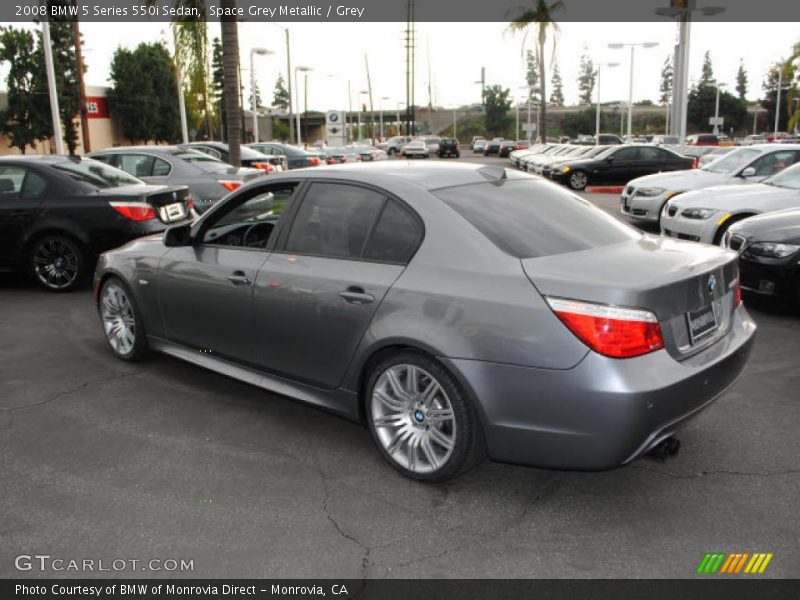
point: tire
(433, 438)
(720, 233)
(392, 151)
(578, 180)
(57, 263)
(122, 321)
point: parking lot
(162, 459)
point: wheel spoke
(412, 379)
(429, 393)
(393, 421)
(413, 454)
(430, 454)
(396, 442)
(394, 382)
(388, 401)
(440, 438)
(440, 415)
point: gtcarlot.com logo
(734, 563)
(46, 562)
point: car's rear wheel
(421, 420)
(122, 321)
(578, 180)
(57, 263)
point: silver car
(705, 215)
(459, 310)
(643, 198)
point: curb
(604, 189)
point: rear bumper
(604, 412)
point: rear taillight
(263, 166)
(610, 330)
(694, 163)
(737, 294)
(313, 161)
(231, 185)
(135, 211)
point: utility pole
(51, 85)
(87, 146)
(371, 106)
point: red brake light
(610, 330)
(737, 294)
(231, 185)
(135, 211)
(313, 161)
(694, 163)
(263, 166)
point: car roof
(40, 158)
(429, 176)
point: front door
(21, 193)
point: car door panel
(19, 205)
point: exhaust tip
(666, 448)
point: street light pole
(716, 109)
(382, 98)
(597, 112)
(302, 69)
(617, 46)
(778, 98)
(253, 99)
(51, 85)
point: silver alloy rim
(578, 180)
(118, 320)
(413, 418)
(55, 264)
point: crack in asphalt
(54, 397)
(718, 472)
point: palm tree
(541, 16)
(191, 51)
(230, 73)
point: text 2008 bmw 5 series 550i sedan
(460, 311)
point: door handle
(357, 295)
(19, 213)
(239, 278)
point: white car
(644, 197)
(415, 148)
(705, 215)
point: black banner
(397, 10)
(403, 589)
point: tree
(790, 90)
(707, 72)
(586, 78)
(741, 81)
(218, 78)
(26, 119)
(258, 97)
(142, 97)
(497, 104)
(230, 72)
(702, 104)
(541, 17)
(557, 95)
(666, 81)
(280, 97)
(532, 76)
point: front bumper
(604, 412)
(641, 208)
(695, 230)
(771, 276)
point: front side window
(733, 161)
(626, 154)
(334, 220)
(790, 178)
(774, 162)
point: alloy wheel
(119, 322)
(413, 418)
(56, 263)
(578, 180)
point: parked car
(394, 144)
(780, 136)
(249, 158)
(448, 147)
(643, 198)
(431, 301)
(583, 152)
(749, 140)
(535, 164)
(705, 215)
(432, 141)
(478, 146)
(58, 213)
(208, 179)
(476, 138)
(370, 153)
(618, 165)
(713, 155)
(702, 139)
(608, 139)
(415, 149)
(336, 155)
(769, 254)
(492, 147)
(296, 158)
(665, 140)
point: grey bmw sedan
(459, 311)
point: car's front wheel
(122, 321)
(421, 420)
(57, 263)
(578, 180)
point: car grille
(736, 242)
(629, 190)
(682, 236)
(672, 211)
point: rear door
(21, 192)
(316, 296)
(624, 166)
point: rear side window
(334, 220)
(395, 237)
(527, 218)
(161, 168)
(11, 180)
(138, 165)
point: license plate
(172, 212)
(701, 323)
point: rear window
(96, 174)
(528, 218)
(205, 163)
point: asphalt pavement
(103, 459)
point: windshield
(733, 161)
(788, 178)
(205, 163)
(526, 218)
(96, 174)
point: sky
(457, 51)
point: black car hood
(780, 226)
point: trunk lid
(673, 279)
(171, 203)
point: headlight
(772, 250)
(565, 169)
(698, 213)
(649, 192)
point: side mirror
(180, 235)
(610, 159)
(748, 172)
